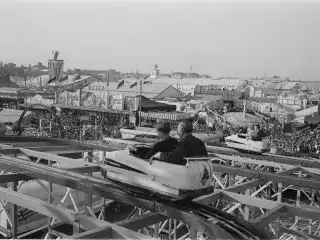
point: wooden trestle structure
(253, 187)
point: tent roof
(149, 105)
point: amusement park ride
(229, 195)
(166, 197)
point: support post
(40, 126)
(279, 199)
(67, 97)
(247, 207)
(88, 197)
(79, 96)
(193, 233)
(175, 229)
(49, 199)
(170, 228)
(156, 230)
(56, 97)
(310, 220)
(14, 214)
(297, 203)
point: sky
(220, 38)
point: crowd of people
(77, 126)
(95, 125)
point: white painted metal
(160, 176)
(234, 141)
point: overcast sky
(231, 38)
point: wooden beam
(55, 148)
(263, 162)
(12, 177)
(263, 220)
(298, 234)
(65, 152)
(85, 169)
(103, 188)
(303, 210)
(52, 157)
(61, 213)
(244, 186)
(302, 162)
(275, 177)
(97, 233)
(210, 198)
(10, 151)
(142, 221)
(249, 200)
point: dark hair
(164, 127)
(186, 127)
(258, 126)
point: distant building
(152, 91)
(293, 101)
(5, 81)
(41, 81)
(255, 92)
(263, 105)
(55, 67)
(39, 67)
(178, 75)
(288, 87)
(226, 83)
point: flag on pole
(135, 83)
(120, 83)
(147, 82)
(52, 80)
(63, 78)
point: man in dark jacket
(188, 146)
(166, 145)
(259, 133)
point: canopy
(149, 105)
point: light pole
(140, 82)
(25, 75)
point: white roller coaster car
(241, 142)
(189, 180)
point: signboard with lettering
(116, 102)
(97, 87)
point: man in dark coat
(188, 146)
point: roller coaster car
(241, 142)
(187, 181)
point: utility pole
(25, 75)
(140, 98)
(25, 91)
(140, 102)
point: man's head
(163, 129)
(185, 128)
(257, 127)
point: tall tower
(155, 71)
(55, 66)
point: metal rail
(212, 222)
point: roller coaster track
(212, 222)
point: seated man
(188, 146)
(259, 133)
(166, 145)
